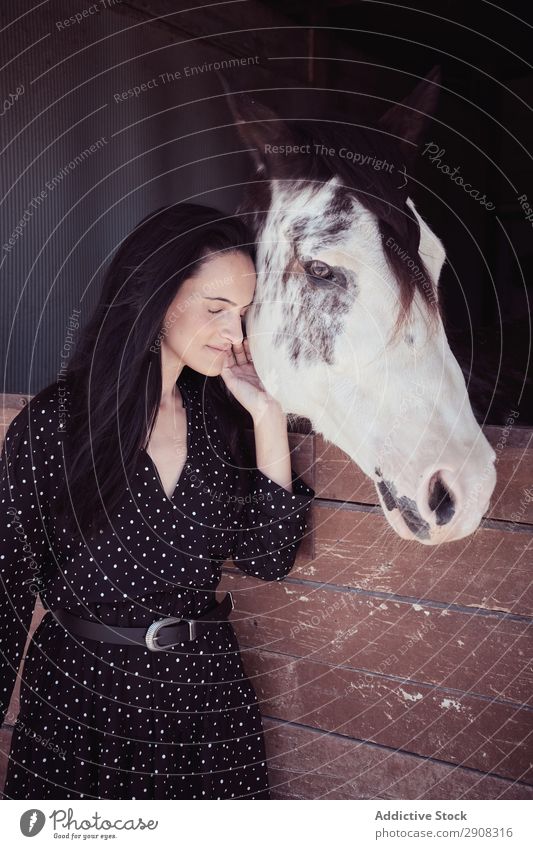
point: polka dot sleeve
(24, 551)
(271, 526)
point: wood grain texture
(489, 655)
(306, 763)
(491, 736)
(356, 548)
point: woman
(126, 484)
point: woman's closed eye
(214, 312)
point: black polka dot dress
(99, 720)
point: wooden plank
(304, 763)
(490, 569)
(476, 733)
(302, 448)
(512, 499)
(488, 654)
(339, 479)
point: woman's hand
(270, 423)
(243, 382)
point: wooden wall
(388, 669)
(384, 668)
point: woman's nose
(233, 330)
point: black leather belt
(159, 636)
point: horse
(346, 328)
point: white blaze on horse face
(323, 348)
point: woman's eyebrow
(215, 298)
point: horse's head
(346, 326)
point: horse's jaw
(400, 449)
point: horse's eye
(320, 270)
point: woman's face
(205, 318)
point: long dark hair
(113, 378)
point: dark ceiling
(410, 36)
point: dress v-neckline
(187, 454)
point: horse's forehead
(296, 199)
(323, 213)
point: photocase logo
(32, 822)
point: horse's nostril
(440, 500)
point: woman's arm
(274, 519)
(272, 524)
(272, 445)
(25, 556)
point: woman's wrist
(272, 444)
(270, 411)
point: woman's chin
(215, 360)
(210, 365)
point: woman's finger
(229, 359)
(240, 355)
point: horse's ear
(430, 248)
(409, 119)
(258, 125)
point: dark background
(175, 142)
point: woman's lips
(218, 350)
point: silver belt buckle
(150, 637)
